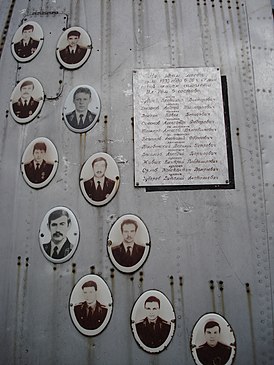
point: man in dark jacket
(153, 330)
(90, 314)
(27, 45)
(26, 105)
(38, 170)
(213, 352)
(73, 53)
(128, 253)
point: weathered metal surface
(211, 250)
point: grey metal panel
(197, 236)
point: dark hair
(90, 284)
(211, 324)
(74, 32)
(27, 27)
(26, 83)
(99, 159)
(152, 299)
(129, 221)
(57, 214)
(84, 90)
(40, 146)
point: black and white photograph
(39, 162)
(213, 341)
(153, 321)
(27, 41)
(26, 100)
(73, 48)
(82, 109)
(90, 305)
(99, 179)
(128, 243)
(59, 234)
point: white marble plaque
(179, 127)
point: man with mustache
(99, 187)
(58, 224)
(26, 105)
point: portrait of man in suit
(81, 117)
(212, 351)
(26, 105)
(73, 53)
(128, 253)
(99, 187)
(59, 246)
(153, 330)
(27, 46)
(38, 169)
(90, 313)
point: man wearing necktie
(38, 169)
(81, 117)
(99, 187)
(128, 253)
(153, 330)
(26, 105)
(73, 53)
(27, 45)
(59, 246)
(90, 313)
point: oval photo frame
(90, 305)
(212, 339)
(39, 162)
(128, 230)
(153, 321)
(73, 48)
(27, 41)
(99, 179)
(82, 109)
(59, 225)
(26, 100)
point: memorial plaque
(181, 135)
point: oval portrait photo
(73, 48)
(90, 305)
(153, 321)
(128, 243)
(27, 41)
(26, 100)
(59, 234)
(82, 109)
(39, 162)
(213, 341)
(99, 179)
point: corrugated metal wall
(211, 250)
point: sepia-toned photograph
(99, 179)
(26, 100)
(128, 243)
(73, 48)
(27, 41)
(39, 162)
(213, 341)
(90, 305)
(59, 234)
(153, 321)
(82, 109)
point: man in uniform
(128, 253)
(213, 352)
(58, 224)
(27, 45)
(153, 330)
(38, 170)
(90, 314)
(73, 53)
(25, 106)
(99, 187)
(81, 117)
